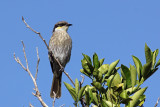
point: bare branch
(35, 32)
(82, 80)
(82, 100)
(157, 102)
(25, 55)
(37, 94)
(19, 62)
(69, 77)
(47, 48)
(54, 99)
(30, 105)
(38, 60)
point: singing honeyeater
(60, 46)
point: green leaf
(95, 98)
(80, 94)
(158, 63)
(87, 97)
(91, 96)
(87, 58)
(136, 96)
(82, 71)
(104, 68)
(126, 75)
(148, 54)
(116, 80)
(112, 67)
(100, 76)
(138, 65)
(124, 94)
(101, 61)
(109, 81)
(108, 103)
(76, 86)
(146, 69)
(95, 61)
(155, 53)
(141, 100)
(151, 73)
(71, 91)
(133, 75)
(97, 84)
(85, 66)
(132, 90)
(124, 79)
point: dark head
(63, 25)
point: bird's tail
(56, 86)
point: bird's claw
(62, 69)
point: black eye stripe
(61, 24)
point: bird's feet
(62, 69)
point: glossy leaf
(82, 71)
(104, 68)
(151, 73)
(116, 80)
(71, 91)
(109, 81)
(95, 98)
(86, 66)
(136, 96)
(155, 53)
(101, 61)
(108, 103)
(112, 67)
(124, 94)
(132, 90)
(141, 100)
(127, 75)
(97, 85)
(87, 58)
(96, 61)
(76, 86)
(138, 65)
(100, 76)
(90, 95)
(148, 54)
(80, 94)
(87, 99)
(146, 69)
(133, 75)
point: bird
(60, 46)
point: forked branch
(37, 93)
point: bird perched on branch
(60, 46)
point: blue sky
(112, 29)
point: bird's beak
(69, 24)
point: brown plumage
(60, 46)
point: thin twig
(30, 105)
(37, 94)
(82, 80)
(54, 99)
(47, 48)
(35, 32)
(19, 62)
(69, 77)
(82, 100)
(38, 60)
(157, 102)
